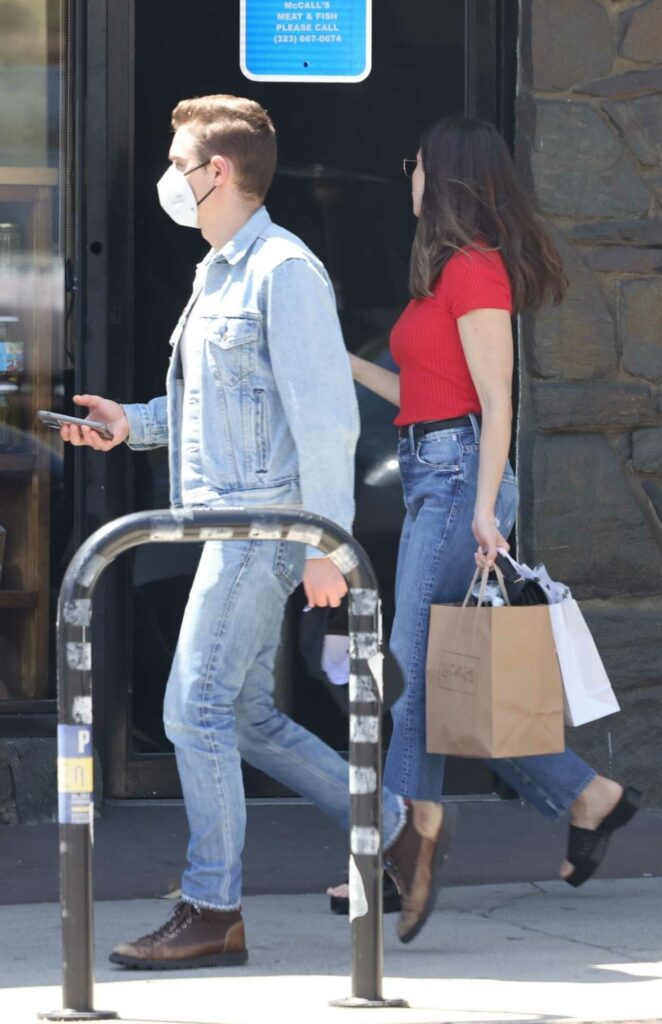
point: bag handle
(484, 573)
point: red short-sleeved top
(435, 383)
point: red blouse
(435, 383)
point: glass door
(35, 521)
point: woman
(480, 256)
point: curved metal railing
(75, 722)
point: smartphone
(57, 420)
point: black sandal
(587, 847)
(392, 901)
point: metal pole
(75, 736)
(365, 787)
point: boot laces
(181, 917)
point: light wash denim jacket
(269, 414)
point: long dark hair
(473, 198)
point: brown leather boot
(191, 937)
(411, 863)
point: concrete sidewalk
(291, 848)
(523, 952)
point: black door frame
(105, 70)
(104, 273)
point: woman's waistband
(430, 426)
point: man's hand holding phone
(103, 411)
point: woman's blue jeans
(435, 564)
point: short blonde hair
(235, 127)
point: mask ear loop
(207, 194)
(197, 168)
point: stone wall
(589, 139)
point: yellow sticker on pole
(75, 775)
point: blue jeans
(435, 564)
(219, 708)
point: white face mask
(178, 198)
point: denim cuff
(139, 425)
(402, 821)
(204, 905)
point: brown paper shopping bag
(493, 681)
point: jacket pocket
(231, 343)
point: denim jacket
(270, 416)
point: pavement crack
(490, 914)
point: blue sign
(306, 40)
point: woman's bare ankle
(595, 802)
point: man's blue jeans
(435, 565)
(219, 708)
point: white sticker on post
(376, 666)
(216, 533)
(345, 558)
(363, 602)
(81, 711)
(167, 533)
(364, 842)
(362, 780)
(358, 904)
(79, 656)
(303, 534)
(265, 532)
(78, 613)
(363, 728)
(361, 690)
(363, 646)
(92, 570)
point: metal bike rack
(75, 737)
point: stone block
(626, 746)
(621, 259)
(622, 445)
(640, 123)
(35, 779)
(645, 231)
(588, 525)
(653, 491)
(576, 340)
(600, 405)
(641, 41)
(571, 40)
(628, 635)
(8, 814)
(647, 450)
(626, 86)
(641, 327)
(581, 167)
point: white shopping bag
(588, 694)
(587, 690)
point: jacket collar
(235, 250)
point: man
(259, 410)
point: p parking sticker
(75, 775)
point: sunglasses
(409, 166)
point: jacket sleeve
(314, 381)
(148, 424)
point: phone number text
(279, 40)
